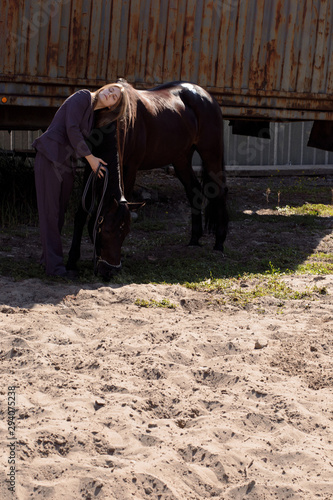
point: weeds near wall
(17, 191)
(18, 202)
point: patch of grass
(20, 270)
(149, 220)
(312, 267)
(323, 256)
(154, 303)
(149, 243)
(302, 187)
(17, 191)
(150, 225)
(18, 204)
(315, 209)
(294, 218)
(5, 248)
(247, 288)
(197, 265)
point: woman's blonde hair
(119, 112)
(108, 115)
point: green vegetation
(249, 287)
(18, 203)
(155, 303)
(316, 209)
(17, 192)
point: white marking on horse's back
(190, 87)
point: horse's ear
(122, 80)
(135, 206)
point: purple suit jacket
(71, 125)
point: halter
(99, 219)
(97, 259)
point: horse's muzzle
(106, 270)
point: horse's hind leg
(184, 171)
(215, 192)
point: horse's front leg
(79, 222)
(75, 250)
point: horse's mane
(157, 102)
(153, 99)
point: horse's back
(208, 115)
(172, 120)
(194, 99)
(199, 99)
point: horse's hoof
(194, 244)
(72, 267)
(219, 248)
(72, 274)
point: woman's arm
(94, 163)
(77, 106)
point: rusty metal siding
(280, 51)
(260, 58)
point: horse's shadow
(256, 244)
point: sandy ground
(117, 401)
(207, 399)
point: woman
(57, 149)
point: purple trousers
(54, 184)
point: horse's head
(111, 229)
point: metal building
(266, 60)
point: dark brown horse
(165, 125)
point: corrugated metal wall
(265, 58)
(17, 140)
(287, 146)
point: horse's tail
(211, 149)
(214, 194)
(214, 190)
(211, 218)
(216, 210)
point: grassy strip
(248, 288)
(156, 251)
(165, 303)
(316, 209)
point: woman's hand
(94, 162)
